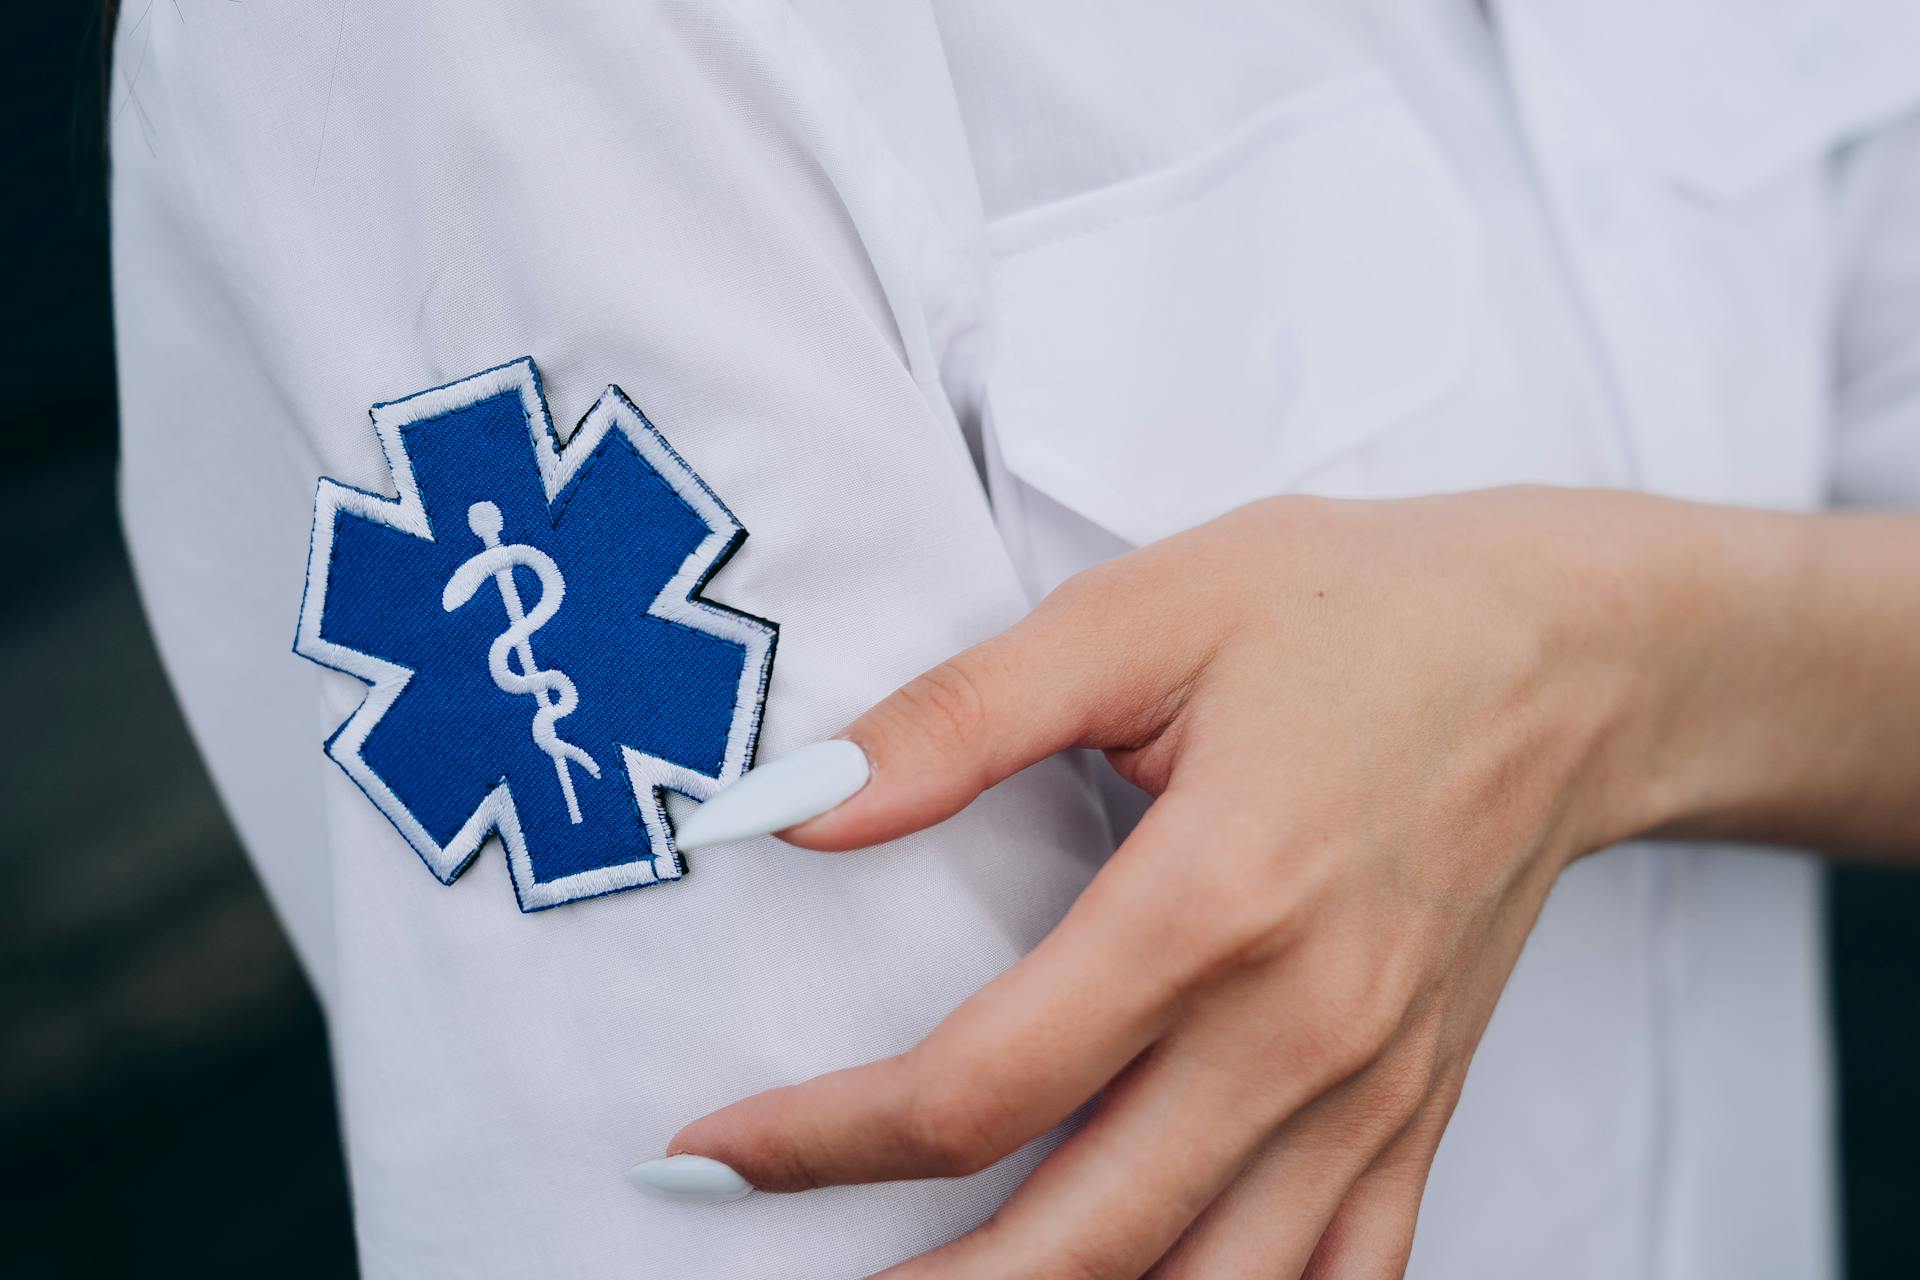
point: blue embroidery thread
(528, 617)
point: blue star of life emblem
(527, 613)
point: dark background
(165, 1100)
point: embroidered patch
(528, 616)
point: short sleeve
(754, 219)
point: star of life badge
(529, 618)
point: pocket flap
(1181, 343)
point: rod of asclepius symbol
(550, 688)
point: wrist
(1699, 642)
(1642, 599)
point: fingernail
(778, 795)
(689, 1178)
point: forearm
(1783, 702)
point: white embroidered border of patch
(558, 463)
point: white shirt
(948, 301)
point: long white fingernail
(689, 1178)
(778, 795)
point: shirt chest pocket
(1187, 341)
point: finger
(1174, 1132)
(1066, 675)
(1008, 1064)
(1371, 1237)
(1082, 669)
(1267, 1223)
(1275, 1218)
(1168, 1136)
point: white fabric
(1133, 263)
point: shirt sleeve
(757, 219)
(1876, 451)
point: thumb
(925, 751)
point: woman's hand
(1376, 733)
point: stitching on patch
(564, 471)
